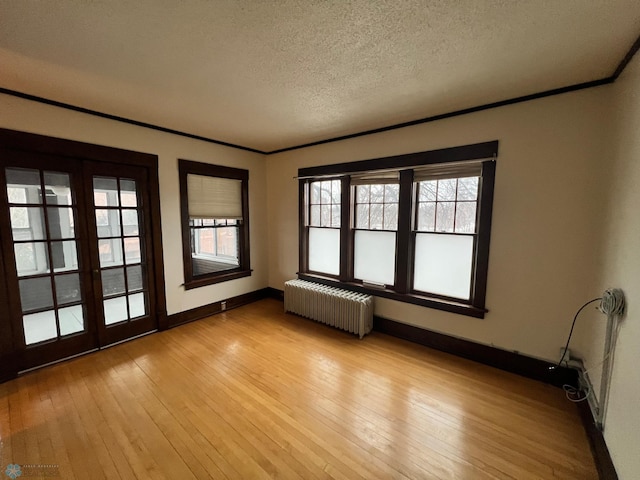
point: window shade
(447, 170)
(214, 197)
(375, 178)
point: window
(324, 226)
(414, 228)
(376, 224)
(215, 218)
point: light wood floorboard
(256, 393)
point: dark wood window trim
(402, 291)
(305, 223)
(186, 167)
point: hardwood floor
(255, 393)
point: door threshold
(28, 370)
(128, 339)
(22, 372)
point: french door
(120, 240)
(76, 254)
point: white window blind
(214, 197)
(376, 178)
(448, 170)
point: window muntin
(324, 203)
(376, 206)
(447, 205)
(215, 232)
(444, 202)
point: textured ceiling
(276, 73)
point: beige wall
(565, 223)
(620, 267)
(548, 210)
(33, 117)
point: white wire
(612, 302)
(615, 340)
(571, 392)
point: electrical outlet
(223, 306)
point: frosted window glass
(375, 256)
(324, 250)
(443, 264)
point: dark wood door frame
(15, 141)
(71, 345)
(8, 360)
(121, 331)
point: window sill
(229, 260)
(422, 300)
(217, 278)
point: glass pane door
(75, 244)
(122, 272)
(43, 214)
(46, 259)
(120, 240)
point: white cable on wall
(612, 305)
(613, 302)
